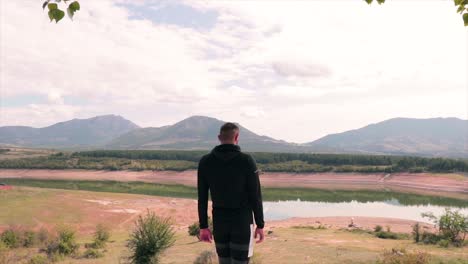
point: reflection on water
(389, 208)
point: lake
(389, 208)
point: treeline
(304, 161)
(269, 162)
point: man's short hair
(228, 131)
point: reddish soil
(452, 185)
(83, 210)
(5, 187)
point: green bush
(378, 228)
(39, 259)
(444, 243)
(64, 244)
(11, 238)
(206, 257)
(430, 238)
(93, 253)
(386, 235)
(29, 239)
(151, 236)
(101, 236)
(43, 236)
(194, 229)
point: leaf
(380, 1)
(75, 6)
(70, 13)
(368, 1)
(45, 4)
(456, 2)
(52, 6)
(56, 14)
(460, 9)
(465, 19)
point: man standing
(233, 180)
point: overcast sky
(292, 70)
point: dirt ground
(36, 208)
(449, 185)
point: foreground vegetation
(273, 162)
(269, 194)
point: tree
(452, 225)
(462, 8)
(55, 13)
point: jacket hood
(226, 152)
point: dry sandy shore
(450, 185)
(83, 209)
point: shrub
(151, 236)
(206, 257)
(92, 253)
(29, 239)
(11, 238)
(43, 236)
(378, 228)
(430, 238)
(39, 259)
(402, 257)
(386, 235)
(64, 245)
(444, 243)
(101, 236)
(390, 235)
(194, 229)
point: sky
(292, 70)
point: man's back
(233, 180)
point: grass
(269, 194)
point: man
(233, 181)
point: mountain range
(445, 137)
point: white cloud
(318, 66)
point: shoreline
(444, 185)
(122, 209)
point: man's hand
(259, 233)
(205, 235)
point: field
(41, 207)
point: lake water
(391, 208)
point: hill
(196, 132)
(445, 137)
(403, 136)
(69, 134)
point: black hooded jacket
(233, 181)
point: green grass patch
(269, 194)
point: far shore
(447, 185)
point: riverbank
(447, 185)
(41, 207)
